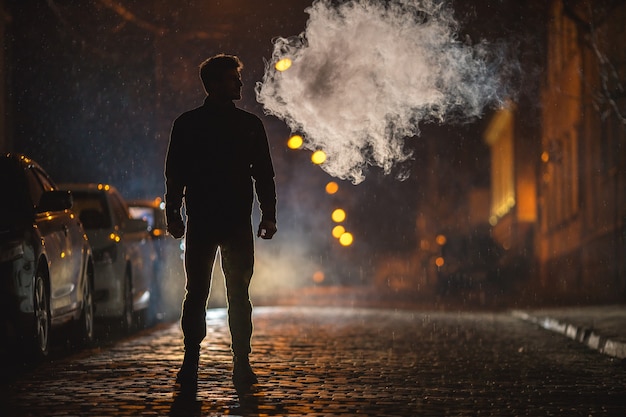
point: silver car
(46, 268)
(123, 251)
(170, 272)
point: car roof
(22, 160)
(144, 202)
(88, 187)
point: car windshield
(144, 213)
(92, 209)
(15, 202)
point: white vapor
(365, 73)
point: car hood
(100, 238)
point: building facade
(558, 201)
(580, 246)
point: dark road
(335, 361)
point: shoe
(243, 375)
(187, 376)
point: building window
(499, 137)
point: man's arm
(263, 174)
(174, 183)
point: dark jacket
(215, 152)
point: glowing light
(62, 255)
(318, 277)
(441, 240)
(283, 64)
(346, 239)
(439, 261)
(114, 237)
(332, 187)
(338, 215)
(338, 231)
(318, 157)
(295, 142)
(545, 157)
(105, 187)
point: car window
(35, 188)
(43, 179)
(144, 213)
(119, 209)
(92, 210)
(16, 204)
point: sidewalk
(602, 328)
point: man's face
(230, 87)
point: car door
(133, 242)
(54, 227)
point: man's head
(221, 77)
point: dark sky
(95, 86)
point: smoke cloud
(365, 74)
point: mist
(365, 75)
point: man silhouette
(218, 156)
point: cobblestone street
(335, 361)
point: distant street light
(318, 157)
(346, 239)
(338, 231)
(338, 215)
(295, 142)
(318, 277)
(283, 64)
(332, 187)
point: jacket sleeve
(263, 174)
(174, 170)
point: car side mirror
(55, 201)
(135, 226)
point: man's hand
(175, 225)
(267, 229)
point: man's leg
(238, 263)
(199, 260)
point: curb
(580, 334)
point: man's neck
(218, 101)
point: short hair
(213, 68)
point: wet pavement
(323, 361)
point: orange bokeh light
(295, 142)
(338, 215)
(318, 277)
(346, 239)
(332, 187)
(318, 157)
(338, 231)
(283, 64)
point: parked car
(170, 272)
(46, 265)
(122, 250)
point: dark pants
(237, 251)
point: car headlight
(11, 250)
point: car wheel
(128, 316)
(41, 304)
(85, 330)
